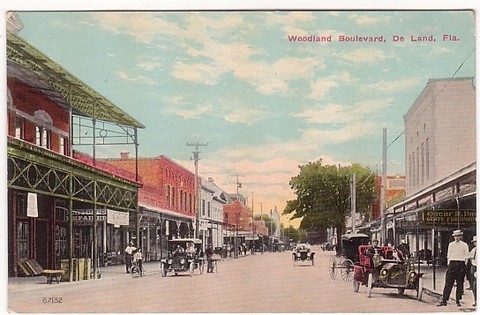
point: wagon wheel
(369, 285)
(332, 268)
(347, 270)
(420, 289)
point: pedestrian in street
(472, 272)
(138, 258)
(209, 253)
(457, 256)
(128, 256)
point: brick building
(166, 201)
(59, 207)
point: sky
(264, 102)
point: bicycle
(137, 269)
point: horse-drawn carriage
(350, 243)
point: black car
(184, 255)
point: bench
(53, 275)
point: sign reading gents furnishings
(449, 217)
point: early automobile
(384, 267)
(184, 255)
(302, 253)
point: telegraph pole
(239, 185)
(384, 187)
(196, 158)
(354, 206)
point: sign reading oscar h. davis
(449, 217)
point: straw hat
(457, 233)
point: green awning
(29, 65)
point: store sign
(85, 216)
(449, 217)
(117, 217)
(32, 205)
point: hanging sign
(32, 205)
(117, 217)
(85, 216)
(449, 217)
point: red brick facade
(395, 192)
(238, 215)
(166, 184)
(31, 105)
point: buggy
(350, 244)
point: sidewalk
(110, 273)
(435, 288)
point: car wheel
(356, 286)
(420, 289)
(369, 285)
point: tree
(323, 195)
(297, 235)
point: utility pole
(261, 217)
(384, 184)
(354, 204)
(196, 158)
(253, 229)
(238, 184)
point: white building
(439, 132)
(211, 213)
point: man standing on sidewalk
(472, 272)
(457, 255)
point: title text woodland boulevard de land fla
(371, 39)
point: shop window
(23, 239)
(61, 238)
(21, 205)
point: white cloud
(199, 73)
(321, 87)
(149, 63)
(244, 115)
(363, 19)
(177, 106)
(394, 85)
(129, 77)
(364, 55)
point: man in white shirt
(457, 256)
(473, 269)
(128, 256)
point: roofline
(59, 75)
